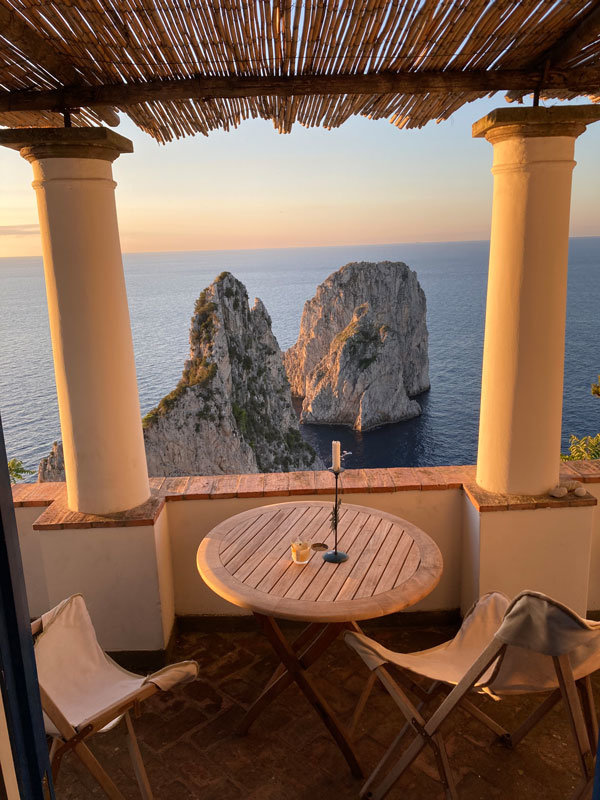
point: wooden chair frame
(576, 695)
(75, 739)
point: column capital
(535, 121)
(36, 143)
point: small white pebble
(558, 491)
(572, 485)
(580, 491)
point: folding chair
(84, 691)
(531, 645)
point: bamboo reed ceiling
(210, 65)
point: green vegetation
(17, 470)
(199, 373)
(584, 449)
(363, 363)
(203, 321)
(241, 418)
(363, 342)
(596, 387)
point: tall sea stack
(361, 355)
(231, 411)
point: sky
(366, 182)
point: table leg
(308, 634)
(297, 672)
(308, 649)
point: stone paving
(191, 751)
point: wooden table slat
(284, 563)
(364, 563)
(269, 550)
(261, 537)
(395, 564)
(314, 532)
(377, 568)
(346, 536)
(316, 566)
(240, 546)
(410, 566)
(235, 537)
(262, 572)
(355, 551)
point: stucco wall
(116, 570)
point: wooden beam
(582, 80)
(39, 51)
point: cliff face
(231, 412)
(362, 350)
(52, 467)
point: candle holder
(335, 556)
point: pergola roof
(179, 67)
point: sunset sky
(366, 182)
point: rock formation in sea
(361, 355)
(52, 467)
(232, 411)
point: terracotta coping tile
(432, 477)
(587, 471)
(484, 501)
(225, 486)
(199, 487)
(57, 516)
(404, 479)
(379, 480)
(251, 485)
(491, 501)
(277, 484)
(302, 482)
(568, 472)
(174, 488)
(36, 495)
(457, 476)
(354, 480)
(324, 482)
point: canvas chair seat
(78, 675)
(449, 661)
(532, 644)
(83, 684)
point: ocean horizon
(162, 288)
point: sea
(162, 288)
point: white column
(523, 359)
(105, 461)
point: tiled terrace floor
(190, 749)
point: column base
(517, 542)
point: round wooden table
(246, 559)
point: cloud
(19, 230)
